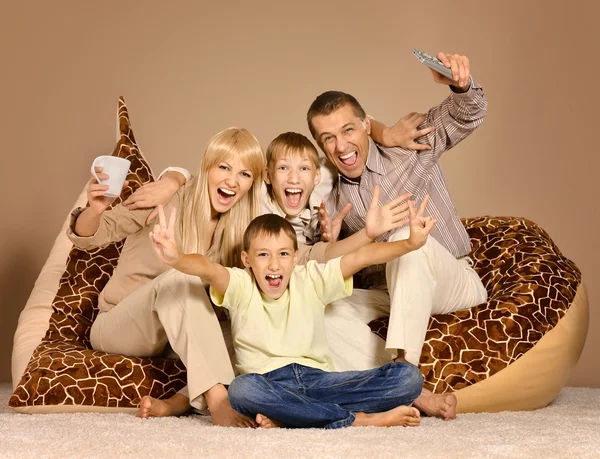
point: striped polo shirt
(400, 170)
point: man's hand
(382, 219)
(330, 228)
(404, 133)
(420, 226)
(163, 238)
(155, 193)
(461, 71)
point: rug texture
(569, 427)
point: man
(438, 278)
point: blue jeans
(300, 396)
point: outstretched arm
(461, 112)
(377, 253)
(165, 245)
(379, 220)
(158, 192)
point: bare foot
(156, 408)
(400, 357)
(267, 423)
(221, 412)
(400, 416)
(439, 405)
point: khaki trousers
(173, 308)
(423, 283)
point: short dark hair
(330, 101)
(270, 225)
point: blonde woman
(143, 306)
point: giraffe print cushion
(64, 370)
(530, 286)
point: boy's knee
(415, 381)
(410, 380)
(244, 388)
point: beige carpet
(570, 427)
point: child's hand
(420, 226)
(405, 132)
(382, 219)
(163, 238)
(330, 228)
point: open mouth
(274, 280)
(293, 197)
(349, 159)
(225, 196)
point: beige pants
(173, 308)
(423, 283)
(420, 284)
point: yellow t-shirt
(269, 334)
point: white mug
(116, 168)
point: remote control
(433, 63)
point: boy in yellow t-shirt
(277, 308)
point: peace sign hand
(420, 226)
(163, 238)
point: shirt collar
(271, 205)
(373, 164)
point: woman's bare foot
(267, 423)
(439, 405)
(156, 408)
(221, 412)
(400, 416)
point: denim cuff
(347, 422)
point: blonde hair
(287, 145)
(226, 247)
(291, 143)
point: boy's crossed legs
(300, 396)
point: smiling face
(272, 258)
(228, 181)
(293, 179)
(344, 138)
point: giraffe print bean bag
(513, 353)
(64, 373)
(516, 351)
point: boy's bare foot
(400, 416)
(439, 405)
(221, 412)
(156, 408)
(267, 423)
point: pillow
(64, 374)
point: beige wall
(188, 70)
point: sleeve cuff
(473, 85)
(81, 242)
(181, 170)
(314, 252)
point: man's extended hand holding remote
(460, 71)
